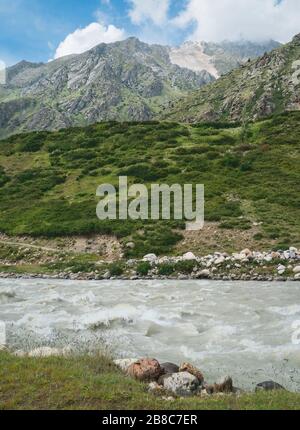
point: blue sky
(35, 29)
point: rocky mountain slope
(218, 58)
(125, 81)
(267, 85)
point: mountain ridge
(124, 81)
(260, 88)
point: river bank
(95, 383)
(246, 265)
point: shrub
(143, 268)
(166, 269)
(116, 269)
(185, 266)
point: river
(245, 329)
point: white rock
(48, 352)
(204, 273)
(130, 245)
(281, 269)
(154, 387)
(219, 261)
(268, 258)
(297, 276)
(150, 257)
(189, 256)
(124, 363)
(296, 269)
(182, 384)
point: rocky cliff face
(267, 85)
(218, 58)
(123, 81)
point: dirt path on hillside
(27, 245)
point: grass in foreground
(94, 383)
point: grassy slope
(251, 174)
(95, 383)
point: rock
(293, 249)
(169, 368)
(219, 261)
(297, 277)
(150, 257)
(187, 367)
(182, 384)
(146, 370)
(247, 253)
(130, 245)
(268, 386)
(225, 385)
(124, 364)
(47, 352)
(281, 269)
(204, 274)
(155, 388)
(189, 256)
(106, 275)
(296, 270)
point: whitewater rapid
(247, 330)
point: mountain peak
(296, 38)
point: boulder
(187, 367)
(297, 277)
(219, 261)
(281, 269)
(247, 252)
(203, 274)
(145, 370)
(296, 270)
(150, 257)
(189, 256)
(182, 384)
(124, 363)
(169, 368)
(225, 385)
(130, 245)
(268, 386)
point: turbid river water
(247, 330)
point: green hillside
(251, 174)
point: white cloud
(217, 20)
(86, 38)
(149, 10)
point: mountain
(218, 58)
(262, 87)
(124, 81)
